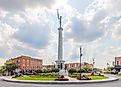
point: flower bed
(88, 76)
(37, 77)
(62, 78)
(84, 78)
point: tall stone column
(60, 44)
(60, 61)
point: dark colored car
(114, 72)
(28, 73)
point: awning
(117, 67)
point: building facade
(117, 65)
(73, 65)
(27, 63)
(77, 65)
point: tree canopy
(9, 66)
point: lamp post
(80, 61)
(53, 64)
(93, 64)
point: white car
(119, 72)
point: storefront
(117, 68)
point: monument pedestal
(60, 66)
(63, 72)
(60, 61)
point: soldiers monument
(60, 61)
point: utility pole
(93, 64)
(80, 62)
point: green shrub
(72, 70)
(38, 71)
(85, 70)
(55, 70)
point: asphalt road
(107, 84)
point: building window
(68, 65)
(75, 65)
(27, 60)
(23, 59)
(72, 65)
(117, 62)
(23, 64)
(18, 61)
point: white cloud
(6, 32)
(18, 19)
(2, 13)
(116, 30)
(33, 28)
(60, 4)
(10, 47)
(82, 30)
(35, 35)
(112, 7)
(30, 28)
(20, 5)
(2, 61)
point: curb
(61, 82)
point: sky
(30, 27)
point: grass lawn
(53, 77)
(36, 77)
(89, 76)
(98, 77)
(118, 74)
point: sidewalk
(71, 81)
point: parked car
(119, 72)
(28, 73)
(114, 72)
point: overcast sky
(29, 27)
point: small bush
(38, 71)
(17, 75)
(72, 70)
(55, 70)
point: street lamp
(93, 65)
(53, 64)
(80, 61)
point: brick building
(73, 65)
(27, 63)
(77, 65)
(117, 64)
(48, 66)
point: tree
(2, 69)
(55, 70)
(72, 70)
(110, 68)
(49, 70)
(39, 71)
(10, 67)
(85, 70)
(82, 70)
